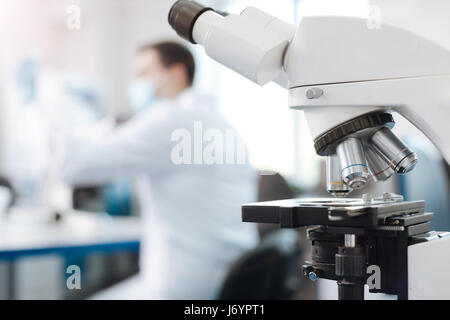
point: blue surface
(70, 250)
(428, 181)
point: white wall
(101, 51)
(103, 48)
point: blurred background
(65, 65)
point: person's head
(168, 66)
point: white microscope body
(337, 69)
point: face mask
(141, 95)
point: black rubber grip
(183, 15)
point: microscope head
(347, 78)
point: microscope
(348, 79)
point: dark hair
(172, 53)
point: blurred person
(192, 229)
(42, 102)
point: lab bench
(36, 250)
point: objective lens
(380, 169)
(399, 157)
(353, 164)
(335, 185)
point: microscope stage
(345, 212)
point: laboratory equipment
(348, 78)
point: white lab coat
(192, 229)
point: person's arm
(141, 145)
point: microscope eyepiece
(183, 15)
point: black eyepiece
(183, 15)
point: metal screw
(314, 93)
(312, 276)
(387, 196)
(367, 198)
